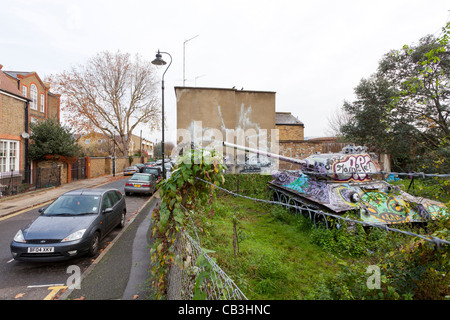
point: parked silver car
(128, 171)
(141, 183)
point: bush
(251, 185)
(49, 138)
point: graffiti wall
(237, 116)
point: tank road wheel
(296, 206)
(285, 200)
(304, 211)
(276, 196)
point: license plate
(137, 185)
(41, 249)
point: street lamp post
(160, 62)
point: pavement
(121, 271)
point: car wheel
(122, 220)
(95, 244)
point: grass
(276, 259)
(431, 188)
(281, 256)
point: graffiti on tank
(342, 182)
(354, 168)
(315, 189)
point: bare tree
(336, 120)
(110, 93)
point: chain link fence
(195, 275)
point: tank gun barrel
(264, 153)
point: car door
(118, 207)
(107, 212)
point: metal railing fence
(20, 181)
(196, 276)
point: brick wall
(290, 132)
(12, 124)
(103, 165)
(53, 107)
(297, 150)
(12, 113)
(50, 164)
(99, 166)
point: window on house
(3, 153)
(33, 120)
(24, 91)
(33, 96)
(42, 103)
(9, 155)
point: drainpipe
(27, 166)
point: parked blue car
(73, 225)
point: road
(39, 281)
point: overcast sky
(311, 53)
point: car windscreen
(152, 171)
(74, 205)
(140, 177)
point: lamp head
(158, 61)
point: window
(33, 96)
(3, 155)
(9, 155)
(25, 91)
(42, 103)
(106, 202)
(34, 121)
(114, 197)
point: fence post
(88, 167)
(69, 172)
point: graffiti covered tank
(344, 181)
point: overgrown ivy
(182, 192)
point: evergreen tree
(49, 137)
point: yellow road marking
(55, 290)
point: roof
(286, 118)
(15, 73)
(225, 89)
(323, 139)
(87, 191)
(7, 85)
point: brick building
(228, 109)
(97, 144)
(292, 141)
(24, 98)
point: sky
(311, 53)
